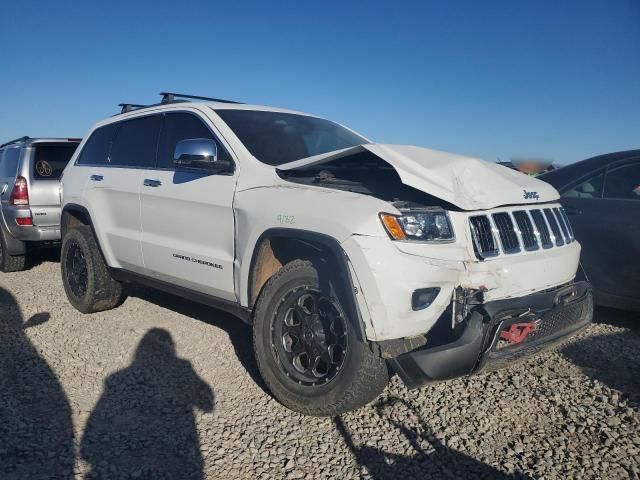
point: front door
(604, 212)
(187, 215)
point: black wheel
(306, 346)
(10, 263)
(86, 279)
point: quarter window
(623, 183)
(591, 188)
(9, 165)
(182, 126)
(50, 160)
(135, 142)
(96, 149)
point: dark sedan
(602, 197)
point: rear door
(43, 167)
(113, 186)
(187, 215)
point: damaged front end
(495, 334)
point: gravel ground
(163, 388)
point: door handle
(572, 210)
(152, 183)
(96, 178)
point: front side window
(623, 183)
(96, 148)
(49, 160)
(277, 138)
(135, 142)
(591, 188)
(182, 126)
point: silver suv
(30, 171)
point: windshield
(277, 138)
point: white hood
(466, 182)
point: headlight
(420, 225)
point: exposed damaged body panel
(466, 182)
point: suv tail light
(20, 193)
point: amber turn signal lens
(393, 227)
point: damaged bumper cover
(489, 340)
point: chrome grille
(506, 232)
(484, 242)
(543, 231)
(512, 232)
(555, 229)
(527, 232)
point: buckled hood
(467, 182)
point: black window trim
(193, 169)
(163, 114)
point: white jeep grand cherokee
(352, 260)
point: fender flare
(338, 253)
(74, 207)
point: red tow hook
(518, 332)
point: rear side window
(135, 142)
(49, 160)
(182, 126)
(9, 163)
(623, 183)
(96, 149)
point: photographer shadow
(36, 429)
(144, 424)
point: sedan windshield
(277, 138)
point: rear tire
(10, 263)
(290, 354)
(85, 276)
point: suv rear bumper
(561, 312)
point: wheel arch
(74, 214)
(277, 246)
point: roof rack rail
(127, 107)
(170, 97)
(15, 140)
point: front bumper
(558, 313)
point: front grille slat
(515, 231)
(541, 226)
(484, 242)
(563, 226)
(506, 232)
(555, 228)
(566, 219)
(529, 239)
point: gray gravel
(162, 388)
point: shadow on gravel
(429, 457)
(42, 255)
(617, 318)
(240, 333)
(36, 430)
(611, 359)
(143, 426)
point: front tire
(86, 279)
(307, 348)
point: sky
(492, 79)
